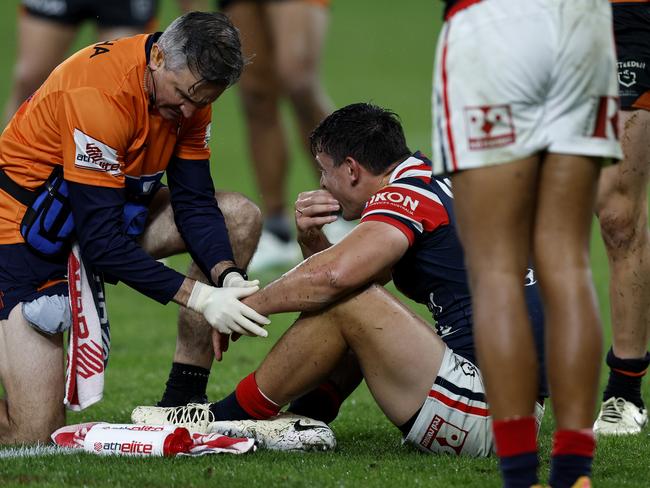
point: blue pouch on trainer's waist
(47, 226)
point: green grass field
(379, 51)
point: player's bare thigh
(298, 28)
(400, 353)
(494, 207)
(32, 375)
(162, 239)
(42, 45)
(250, 18)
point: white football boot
(284, 432)
(195, 417)
(617, 416)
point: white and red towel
(146, 440)
(89, 336)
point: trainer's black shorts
(105, 13)
(632, 35)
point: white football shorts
(454, 418)
(513, 78)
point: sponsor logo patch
(388, 197)
(95, 155)
(489, 126)
(447, 436)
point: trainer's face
(341, 181)
(179, 93)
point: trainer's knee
(30, 427)
(244, 222)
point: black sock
(229, 409)
(186, 384)
(279, 226)
(625, 377)
(322, 403)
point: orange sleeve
(95, 132)
(194, 138)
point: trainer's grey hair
(205, 42)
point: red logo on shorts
(445, 434)
(489, 126)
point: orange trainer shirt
(92, 116)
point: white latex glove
(223, 310)
(235, 280)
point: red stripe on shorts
(445, 101)
(458, 405)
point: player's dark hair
(205, 42)
(370, 134)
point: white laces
(193, 413)
(613, 410)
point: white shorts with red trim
(454, 418)
(514, 78)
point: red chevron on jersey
(412, 168)
(407, 202)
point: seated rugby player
(425, 380)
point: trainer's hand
(235, 280)
(223, 310)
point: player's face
(339, 182)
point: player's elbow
(336, 282)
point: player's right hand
(314, 209)
(223, 310)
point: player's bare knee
(260, 104)
(623, 229)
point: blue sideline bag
(47, 226)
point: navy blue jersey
(432, 271)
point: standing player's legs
(298, 29)
(260, 98)
(194, 354)
(42, 45)
(622, 210)
(32, 375)
(495, 208)
(567, 195)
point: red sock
(516, 446)
(572, 456)
(574, 443)
(253, 401)
(515, 436)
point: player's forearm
(314, 284)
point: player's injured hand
(223, 310)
